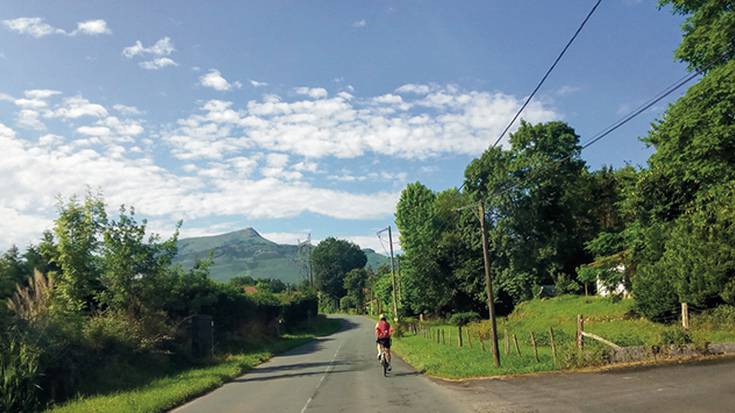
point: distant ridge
(247, 252)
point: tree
(130, 263)
(354, 283)
(427, 287)
(78, 230)
(536, 195)
(709, 31)
(331, 260)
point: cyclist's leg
(387, 351)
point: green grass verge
(171, 390)
(614, 321)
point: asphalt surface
(692, 387)
(339, 373)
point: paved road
(338, 373)
(694, 387)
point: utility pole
(392, 271)
(489, 285)
(393, 275)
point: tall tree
(709, 31)
(331, 260)
(78, 231)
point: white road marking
(326, 372)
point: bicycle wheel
(385, 365)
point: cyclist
(383, 331)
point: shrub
(654, 294)
(462, 319)
(19, 376)
(112, 333)
(346, 303)
(676, 337)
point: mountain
(246, 252)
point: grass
(614, 321)
(173, 389)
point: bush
(654, 294)
(676, 337)
(462, 319)
(346, 303)
(19, 376)
(112, 333)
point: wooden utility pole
(393, 275)
(489, 286)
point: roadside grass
(437, 352)
(175, 388)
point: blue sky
(296, 117)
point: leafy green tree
(709, 31)
(241, 281)
(355, 283)
(331, 260)
(131, 263)
(78, 231)
(427, 287)
(538, 205)
(699, 256)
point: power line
(548, 72)
(615, 125)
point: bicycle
(384, 362)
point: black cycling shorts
(385, 342)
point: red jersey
(382, 329)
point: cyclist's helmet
(382, 317)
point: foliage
(354, 283)
(162, 391)
(699, 258)
(77, 230)
(20, 372)
(462, 319)
(33, 302)
(708, 31)
(676, 337)
(331, 260)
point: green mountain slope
(247, 252)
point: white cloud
(256, 84)
(32, 26)
(127, 110)
(92, 27)
(288, 238)
(40, 93)
(163, 47)
(77, 107)
(157, 63)
(158, 54)
(37, 27)
(34, 172)
(213, 79)
(359, 24)
(312, 92)
(412, 88)
(29, 119)
(444, 121)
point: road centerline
(326, 373)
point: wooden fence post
(459, 335)
(580, 329)
(553, 344)
(535, 350)
(685, 316)
(515, 341)
(507, 343)
(469, 338)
